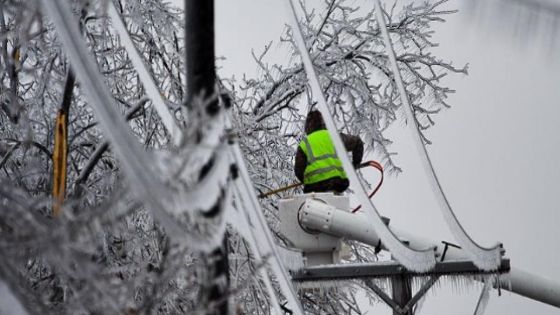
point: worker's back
(317, 164)
(324, 168)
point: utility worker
(317, 164)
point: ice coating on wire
(151, 89)
(414, 260)
(142, 178)
(484, 258)
(265, 238)
(238, 218)
(138, 165)
(252, 240)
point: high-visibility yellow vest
(322, 161)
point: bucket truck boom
(317, 222)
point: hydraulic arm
(315, 216)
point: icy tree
(123, 259)
(350, 57)
(105, 253)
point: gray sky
(496, 151)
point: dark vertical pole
(201, 76)
(201, 82)
(219, 275)
(402, 292)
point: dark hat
(314, 122)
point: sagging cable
(247, 192)
(145, 77)
(415, 260)
(136, 163)
(238, 218)
(487, 259)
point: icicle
(414, 260)
(504, 280)
(419, 281)
(145, 77)
(484, 258)
(460, 284)
(292, 258)
(383, 283)
(418, 306)
(322, 286)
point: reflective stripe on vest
(322, 161)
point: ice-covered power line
(262, 226)
(138, 165)
(265, 244)
(417, 260)
(149, 85)
(165, 195)
(244, 192)
(484, 258)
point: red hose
(377, 166)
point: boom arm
(316, 215)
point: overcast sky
(496, 150)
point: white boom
(317, 215)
